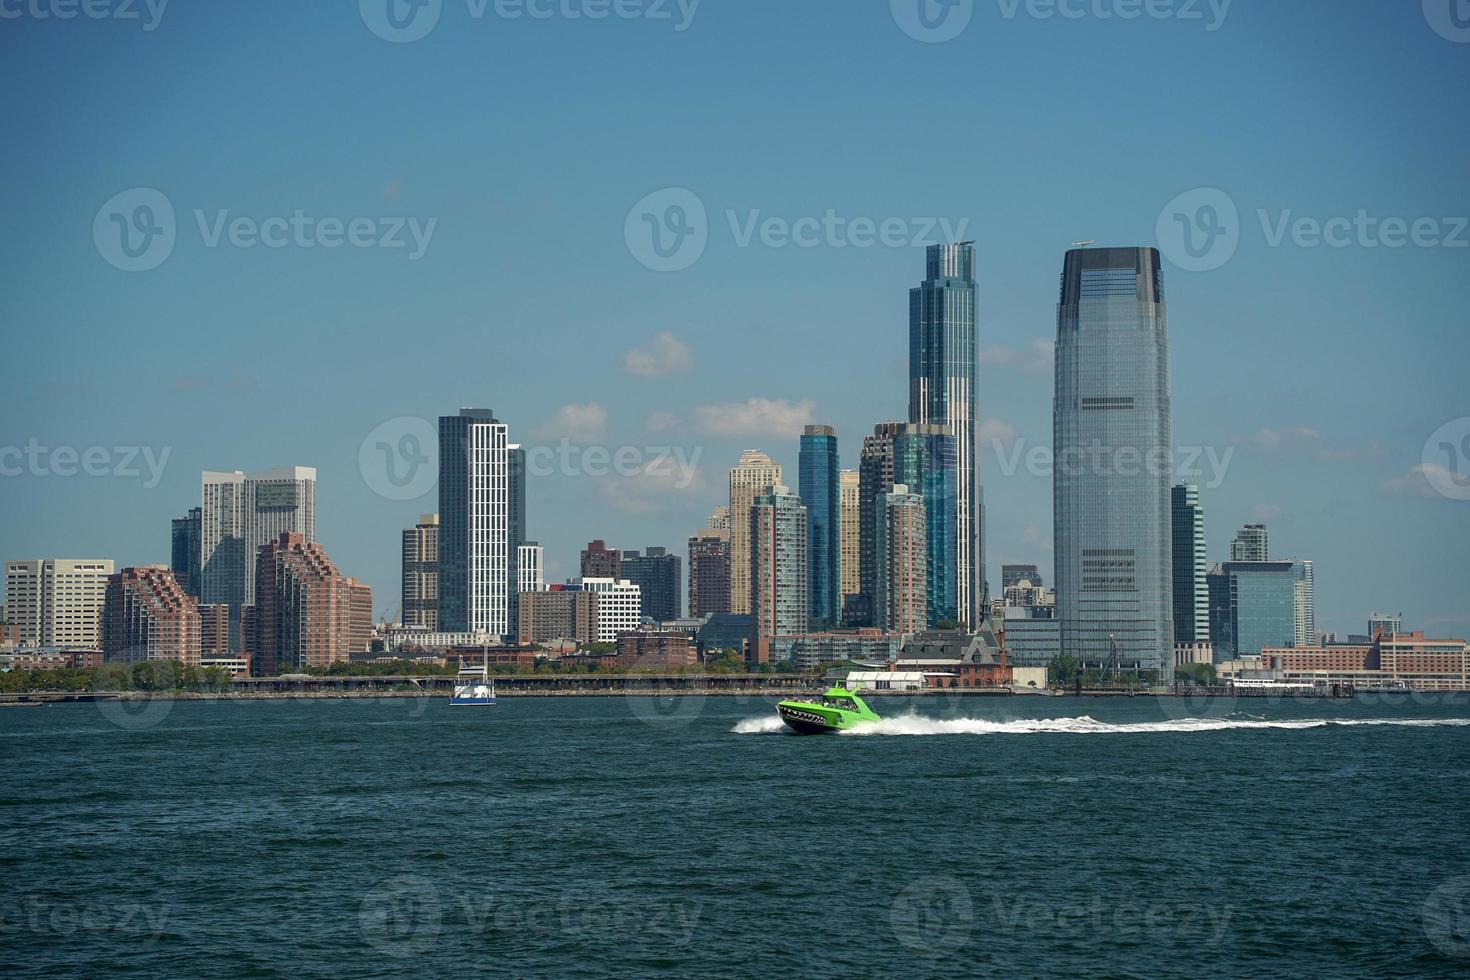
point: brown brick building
(557, 614)
(307, 614)
(147, 615)
(709, 572)
(660, 650)
(600, 561)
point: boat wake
(913, 724)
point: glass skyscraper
(1253, 605)
(1191, 593)
(942, 391)
(925, 459)
(818, 484)
(1112, 438)
(474, 523)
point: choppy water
(688, 837)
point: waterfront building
(778, 567)
(1112, 438)
(149, 616)
(1409, 659)
(1304, 605)
(1032, 637)
(944, 390)
(515, 461)
(724, 631)
(660, 578)
(663, 651)
(1191, 590)
(1252, 543)
(214, 633)
(475, 553)
(307, 613)
(709, 571)
(875, 478)
(956, 658)
(754, 475)
(619, 607)
(818, 486)
(558, 613)
(57, 602)
(808, 651)
(1253, 605)
(925, 460)
(184, 551)
(901, 600)
(600, 561)
(849, 536)
(420, 574)
(530, 569)
(1015, 574)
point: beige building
(421, 574)
(849, 528)
(755, 474)
(57, 602)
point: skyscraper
(530, 569)
(778, 567)
(849, 536)
(875, 478)
(474, 523)
(421, 574)
(515, 527)
(943, 383)
(1111, 497)
(184, 554)
(818, 486)
(709, 571)
(1252, 543)
(753, 475)
(1191, 591)
(901, 603)
(660, 579)
(925, 460)
(1305, 607)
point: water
(688, 837)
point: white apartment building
(619, 607)
(57, 602)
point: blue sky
(527, 141)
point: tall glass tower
(818, 486)
(1112, 438)
(1191, 591)
(924, 460)
(942, 391)
(474, 523)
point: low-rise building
(810, 650)
(658, 650)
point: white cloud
(1416, 482)
(662, 422)
(659, 483)
(576, 423)
(664, 355)
(754, 417)
(997, 430)
(1303, 439)
(1034, 359)
(1283, 438)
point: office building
(475, 558)
(619, 607)
(811, 650)
(184, 553)
(849, 535)
(421, 574)
(1111, 488)
(600, 561)
(530, 569)
(943, 390)
(875, 478)
(778, 567)
(1016, 574)
(901, 600)
(1253, 606)
(660, 579)
(818, 487)
(754, 475)
(709, 571)
(1032, 637)
(307, 613)
(1251, 543)
(925, 459)
(57, 602)
(149, 616)
(1191, 591)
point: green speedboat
(834, 711)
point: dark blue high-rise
(818, 486)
